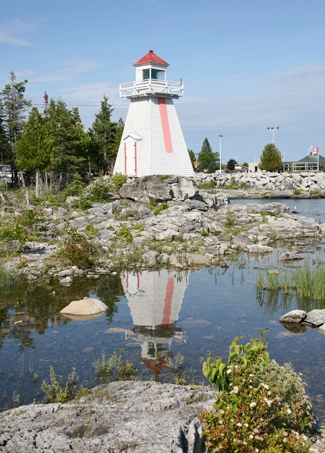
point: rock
(315, 317)
(294, 316)
(142, 417)
(87, 306)
(67, 281)
(258, 248)
(290, 256)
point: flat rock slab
(132, 416)
(84, 307)
(315, 317)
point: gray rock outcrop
(137, 417)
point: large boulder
(84, 307)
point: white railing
(150, 86)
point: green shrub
(114, 368)
(75, 187)
(81, 203)
(100, 190)
(76, 250)
(262, 406)
(59, 392)
(125, 233)
(12, 230)
(118, 179)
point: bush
(76, 249)
(118, 179)
(262, 407)
(59, 392)
(100, 190)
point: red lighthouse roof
(151, 57)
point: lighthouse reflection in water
(155, 300)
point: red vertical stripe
(168, 302)
(165, 125)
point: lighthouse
(152, 141)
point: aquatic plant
(114, 368)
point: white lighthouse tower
(152, 142)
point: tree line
(50, 146)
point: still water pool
(156, 314)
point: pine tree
(14, 107)
(103, 133)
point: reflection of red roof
(155, 366)
(151, 57)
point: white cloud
(291, 98)
(70, 70)
(10, 31)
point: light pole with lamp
(273, 129)
(220, 137)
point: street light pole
(220, 137)
(272, 129)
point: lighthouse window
(154, 74)
(145, 74)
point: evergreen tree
(103, 133)
(271, 159)
(192, 157)
(36, 146)
(70, 142)
(14, 106)
(207, 158)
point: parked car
(220, 172)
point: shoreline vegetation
(110, 225)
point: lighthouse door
(131, 154)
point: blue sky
(246, 64)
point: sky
(247, 65)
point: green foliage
(192, 158)
(307, 281)
(271, 159)
(230, 220)
(91, 230)
(262, 407)
(204, 233)
(114, 368)
(297, 192)
(118, 179)
(59, 392)
(125, 233)
(81, 203)
(100, 190)
(231, 164)
(248, 354)
(75, 187)
(207, 159)
(207, 185)
(76, 250)
(11, 230)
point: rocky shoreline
(153, 222)
(156, 222)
